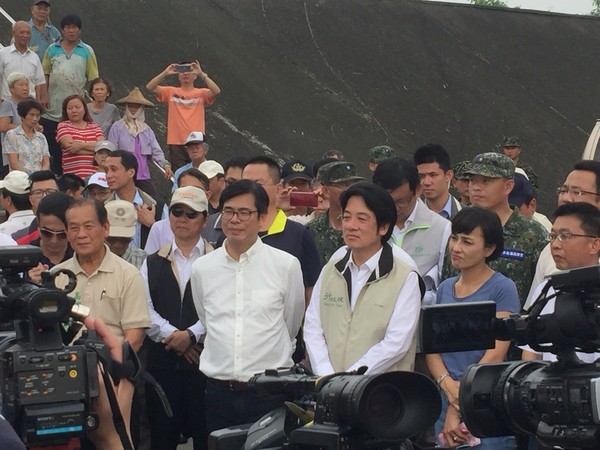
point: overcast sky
(563, 6)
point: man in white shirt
(250, 298)
(422, 233)
(581, 185)
(17, 57)
(173, 356)
(435, 170)
(365, 306)
(14, 199)
(574, 243)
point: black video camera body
(46, 386)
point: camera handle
(131, 369)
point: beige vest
(350, 334)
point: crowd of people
(249, 266)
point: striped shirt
(79, 164)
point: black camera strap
(117, 417)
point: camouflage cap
(510, 141)
(492, 165)
(380, 153)
(460, 170)
(338, 172)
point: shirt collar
(199, 246)
(278, 224)
(249, 254)
(372, 263)
(105, 266)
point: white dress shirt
(28, 63)
(398, 336)
(252, 310)
(160, 234)
(161, 327)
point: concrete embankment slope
(301, 77)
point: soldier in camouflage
(491, 181)
(460, 181)
(378, 154)
(512, 148)
(334, 177)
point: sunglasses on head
(49, 234)
(178, 211)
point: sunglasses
(178, 212)
(49, 234)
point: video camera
(343, 411)
(558, 402)
(46, 387)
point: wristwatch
(192, 336)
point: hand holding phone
(183, 68)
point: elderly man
(249, 298)
(196, 150)
(122, 218)
(17, 57)
(112, 288)
(43, 33)
(185, 105)
(173, 355)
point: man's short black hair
(261, 198)
(101, 213)
(236, 161)
(590, 166)
(377, 200)
(394, 172)
(42, 175)
(128, 160)
(433, 153)
(274, 169)
(71, 19)
(54, 204)
(192, 172)
(70, 182)
(467, 219)
(27, 105)
(20, 201)
(587, 214)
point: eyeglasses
(575, 192)
(178, 212)
(243, 214)
(49, 234)
(567, 235)
(42, 192)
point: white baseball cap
(211, 168)
(16, 182)
(195, 136)
(99, 179)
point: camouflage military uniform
(328, 240)
(524, 239)
(531, 175)
(381, 153)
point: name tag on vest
(512, 253)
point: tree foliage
(596, 10)
(497, 3)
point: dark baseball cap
(381, 153)
(522, 190)
(510, 141)
(294, 169)
(460, 170)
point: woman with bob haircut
(476, 239)
(25, 147)
(77, 134)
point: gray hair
(14, 77)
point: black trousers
(53, 146)
(185, 391)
